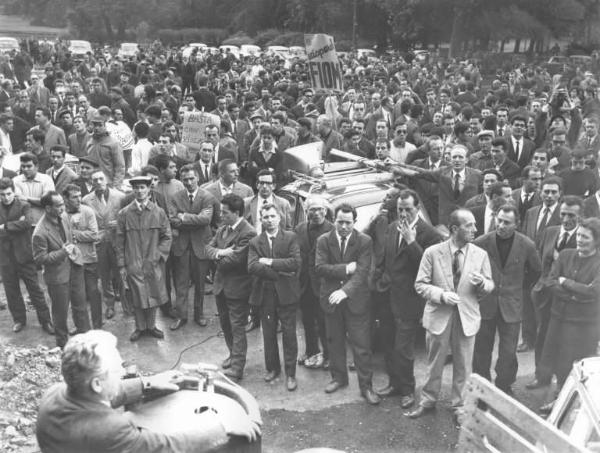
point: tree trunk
(108, 26)
(456, 35)
(517, 45)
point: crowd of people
(508, 169)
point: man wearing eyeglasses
(400, 147)
(520, 148)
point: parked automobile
(280, 51)
(8, 45)
(128, 49)
(298, 52)
(558, 64)
(187, 50)
(78, 48)
(247, 50)
(234, 50)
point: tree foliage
(398, 22)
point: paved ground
(301, 419)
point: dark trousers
(272, 311)
(313, 320)
(90, 278)
(145, 318)
(60, 295)
(566, 342)
(399, 337)
(188, 269)
(506, 364)
(542, 314)
(28, 273)
(233, 314)
(167, 306)
(339, 324)
(109, 272)
(529, 324)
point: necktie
(271, 245)
(563, 242)
(457, 267)
(542, 224)
(456, 186)
(343, 247)
(61, 231)
(500, 131)
(517, 148)
(191, 195)
(206, 172)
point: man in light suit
(405, 240)
(453, 277)
(265, 183)
(552, 242)
(54, 249)
(538, 218)
(343, 261)
(190, 212)
(106, 203)
(232, 283)
(274, 262)
(456, 183)
(512, 256)
(38, 93)
(61, 175)
(228, 182)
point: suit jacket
(397, 269)
(106, 213)
(308, 275)
(511, 172)
(212, 173)
(226, 151)
(39, 99)
(377, 115)
(547, 244)
(231, 275)
(447, 202)
(194, 228)
(239, 188)
(48, 252)
(331, 267)
(475, 201)
(15, 237)
(525, 153)
(590, 207)
(283, 273)
(535, 201)
(507, 296)
(71, 424)
(428, 191)
(65, 177)
(479, 214)
(285, 211)
(435, 277)
(531, 219)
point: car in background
(558, 64)
(128, 50)
(583, 62)
(421, 56)
(368, 53)
(78, 48)
(279, 51)
(8, 45)
(298, 52)
(249, 50)
(234, 50)
(187, 50)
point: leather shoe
(407, 401)
(233, 375)
(48, 328)
(226, 363)
(251, 326)
(202, 322)
(420, 411)
(371, 396)
(389, 390)
(110, 313)
(536, 384)
(135, 336)
(156, 333)
(178, 323)
(18, 326)
(291, 383)
(334, 386)
(271, 376)
(524, 347)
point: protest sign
(193, 125)
(323, 64)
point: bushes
(210, 36)
(264, 37)
(238, 39)
(288, 39)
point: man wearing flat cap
(143, 245)
(482, 159)
(107, 151)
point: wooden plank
(508, 424)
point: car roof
(356, 194)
